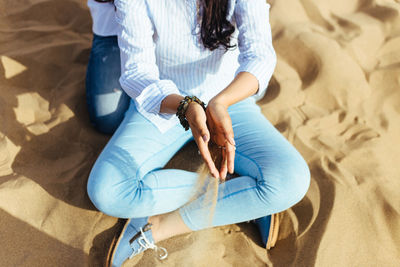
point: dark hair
(215, 30)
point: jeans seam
(153, 155)
(252, 160)
(237, 192)
(166, 188)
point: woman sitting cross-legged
(207, 61)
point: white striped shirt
(161, 53)
(103, 17)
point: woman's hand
(220, 126)
(196, 117)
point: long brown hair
(216, 30)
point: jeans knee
(286, 186)
(108, 194)
(101, 196)
(300, 181)
(106, 111)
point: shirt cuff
(150, 98)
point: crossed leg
(127, 180)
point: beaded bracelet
(182, 108)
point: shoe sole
(273, 231)
(114, 244)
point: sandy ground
(335, 95)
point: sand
(335, 95)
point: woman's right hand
(196, 117)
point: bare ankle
(167, 225)
(155, 226)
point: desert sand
(335, 95)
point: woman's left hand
(220, 126)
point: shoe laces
(145, 243)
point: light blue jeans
(128, 181)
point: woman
(169, 50)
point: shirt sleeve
(257, 55)
(139, 72)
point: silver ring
(221, 147)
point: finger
(205, 154)
(228, 133)
(230, 156)
(212, 129)
(216, 129)
(230, 139)
(224, 169)
(201, 135)
(200, 127)
(224, 133)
